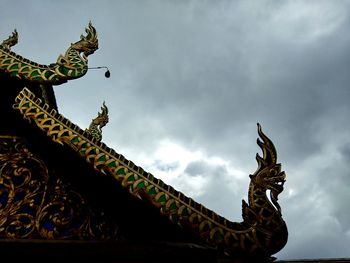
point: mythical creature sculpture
(71, 65)
(95, 128)
(262, 232)
(11, 40)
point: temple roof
(26, 86)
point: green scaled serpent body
(71, 65)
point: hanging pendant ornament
(107, 73)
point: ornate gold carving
(23, 186)
(95, 128)
(34, 206)
(71, 65)
(262, 233)
(87, 45)
(11, 40)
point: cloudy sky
(190, 80)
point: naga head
(102, 117)
(11, 40)
(268, 176)
(95, 128)
(87, 44)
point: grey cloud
(200, 89)
(198, 168)
(223, 190)
(166, 167)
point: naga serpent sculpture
(71, 65)
(262, 232)
(95, 128)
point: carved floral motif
(34, 205)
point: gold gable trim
(263, 231)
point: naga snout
(276, 182)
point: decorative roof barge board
(262, 232)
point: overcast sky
(190, 80)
